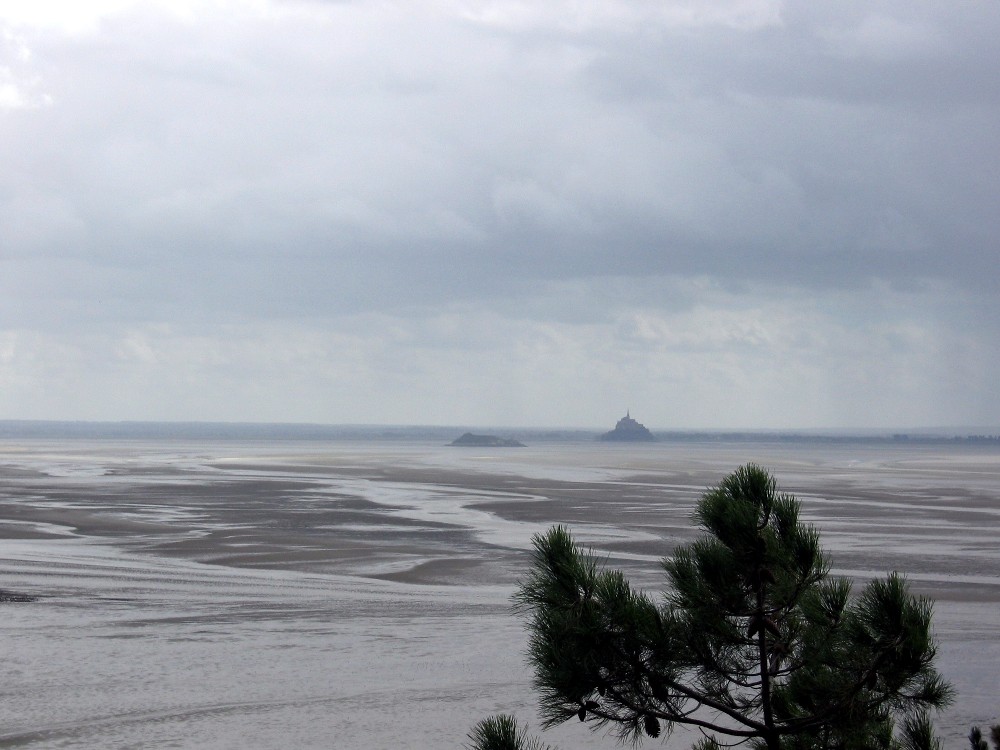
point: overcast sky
(733, 214)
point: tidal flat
(356, 594)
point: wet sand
(405, 555)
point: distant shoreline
(131, 430)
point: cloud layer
(727, 214)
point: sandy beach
(305, 594)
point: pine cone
(652, 725)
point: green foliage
(918, 734)
(751, 643)
(501, 732)
(978, 742)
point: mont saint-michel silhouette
(628, 431)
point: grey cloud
(253, 169)
(309, 167)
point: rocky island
(628, 431)
(470, 440)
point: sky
(731, 214)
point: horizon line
(888, 431)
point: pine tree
(978, 742)
(753, 642)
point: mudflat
(404, 555)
